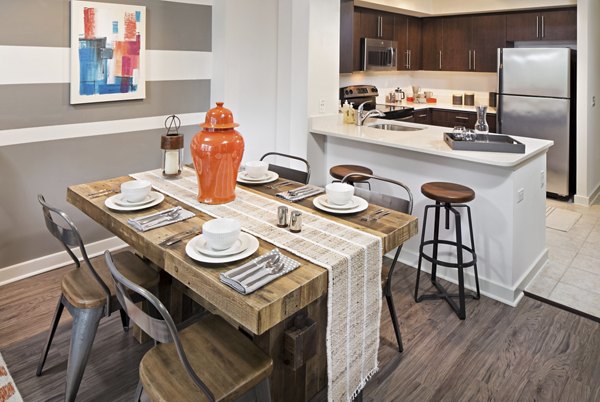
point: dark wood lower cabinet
(423, 116)
(451, 118)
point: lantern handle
(174, 122)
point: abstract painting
(107, 52)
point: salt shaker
(282, 213)
(296, 222)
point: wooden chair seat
(82, 291)
(226, 361)
(447, 192)
(340, 171)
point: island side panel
(497, 220)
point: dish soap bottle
(347, 112)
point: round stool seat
(341, 171)
(447, 192)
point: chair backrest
(69, 237)
(161, 330)
(289, 173)
(399, 204)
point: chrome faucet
(361, 116)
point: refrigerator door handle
(537, 27)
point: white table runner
(352, 257)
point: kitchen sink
(394, 127)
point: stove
(358, 94)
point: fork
(271, 268)
(277, 185)
(168, 213)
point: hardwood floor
(531, 352)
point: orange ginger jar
(217, 153)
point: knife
(176, 238)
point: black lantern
(172, 148)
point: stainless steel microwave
(378, 55)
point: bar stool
(338, 172)
(450, 197)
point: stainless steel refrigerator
(536, 98)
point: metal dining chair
(207, 361)
(87, 293)
(289, 173)
(397, 204)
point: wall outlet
(542, 178)
(322, 106)
(520, 195)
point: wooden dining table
(287, 318)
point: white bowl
(221, 233)
(257, 169)
(135, 190)
(339, 193)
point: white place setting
(221, 241)
(256, 172)
(135, 195)
(339, 198)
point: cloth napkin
(311, 190)
(253, 275)
(153, 221)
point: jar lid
(219, 118)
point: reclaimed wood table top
(261, 310)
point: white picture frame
(108, 52)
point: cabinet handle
(469, 60)
(422, 115)
(379, 27)
(409, 58)
(406, 60)
(543, 27)
(537, 27)
(440, 59)
(461, 118)
(474, 67)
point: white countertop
(438, 105)
(430, 140)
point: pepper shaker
(282, 213)
(296, 222)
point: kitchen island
(509, 206)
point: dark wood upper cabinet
(408, 36)
(456, 53)
(432, 43)
(555, 25)
(348, 52)
(376, 24)
(488, 34)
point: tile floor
(572, 276)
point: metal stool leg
(124, 320)
(474, 254)
(426, 211)
(57, 313)
(459, 261)
(85, 324)
(436, 237)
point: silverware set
(177, 237)
(101, 193)
(302, 190)
(280, 184)
(156, 219)
(271, 263)
(380, 213)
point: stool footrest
(429, 258)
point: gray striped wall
(48, 167)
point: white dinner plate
(240, 245)
(269, 177)
(124, 203)
(192, 252)
(111, 203)
(362, 205)
(324, 202)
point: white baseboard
(49, 262)
(587, 201)
(510, 295)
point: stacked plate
(119, 203)
(243, 177)
(199, 250)
(356, 204)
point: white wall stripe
(37, 65)
(65, 131)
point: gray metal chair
(86, 294)
(397, 204)
(208, 360)
(289, 173)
